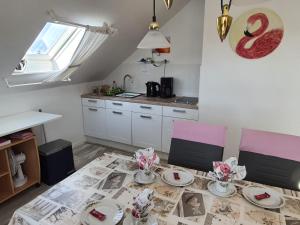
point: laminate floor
(82, 155)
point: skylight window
(50, 36)
(57, 52)
(51, 51)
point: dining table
(111, 177)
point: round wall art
(256, 33)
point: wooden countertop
(145, 100)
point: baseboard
(125, 147)
(79, 142)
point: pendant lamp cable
(154, 11)
(222, 5)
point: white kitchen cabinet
(167, 131)
(146, 130)
(94, 122)
(118, 125)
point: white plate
(130, 221)
(111, 210)
(274, 202)
(138, 178)
(186, 178)
(212, 189)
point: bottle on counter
(114, 84)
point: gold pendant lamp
(224, 21)
(168, 3)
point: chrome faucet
(124, 80)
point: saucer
(212, 189)
(138, 178)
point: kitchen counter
(145, 100)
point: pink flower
(225, 168)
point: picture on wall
(256, 33)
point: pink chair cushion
(197, 132)
(271, 144)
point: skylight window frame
(57, 47)
(54, 52)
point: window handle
(118, 113)
(93, 110)
(146, 117)
(115, 103)
(145, 107)
(93, 101)
(179, 111)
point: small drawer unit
(148, 109)
(91, 102)
(183, 113)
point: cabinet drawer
(183, 113)
(118, 105)
(148, 109)
(146, 130)
(91, 102)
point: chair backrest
(271, 158)
(195, 145)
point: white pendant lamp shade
(154, 39)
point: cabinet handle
(93, 101)
(146, 117)
(145, 107)
(119, 113)
(93, 110)
(115, 103)
(179, 111)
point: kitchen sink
(128, 95)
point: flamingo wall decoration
(256, 33)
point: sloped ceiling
(22, 20)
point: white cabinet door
(118, 125)
(94, 122)
(146, 130)
(167, 131)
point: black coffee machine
(166, 89)
(153, 89)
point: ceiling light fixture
(154, 38)
(168, 3)
(224, 21)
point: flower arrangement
(142, 204)
(146, 158)
(228, 171)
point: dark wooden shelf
(2, 174)
(28, 184)
(16, 142)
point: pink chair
(196, 146)
(271, 158)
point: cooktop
(187, 100)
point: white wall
(60, 100)
(186, 31)
(260, 94)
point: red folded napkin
(100, 216)
(262, 196)
(176, 176)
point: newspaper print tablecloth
(111, 177)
